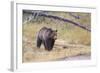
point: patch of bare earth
(61, 51)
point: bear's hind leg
(39, 42)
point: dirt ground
(59, 52)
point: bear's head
(54, 34)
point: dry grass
(71, 40)
(70, 43)
(56, 54)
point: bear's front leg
(48, 45)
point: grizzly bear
(47, 37)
